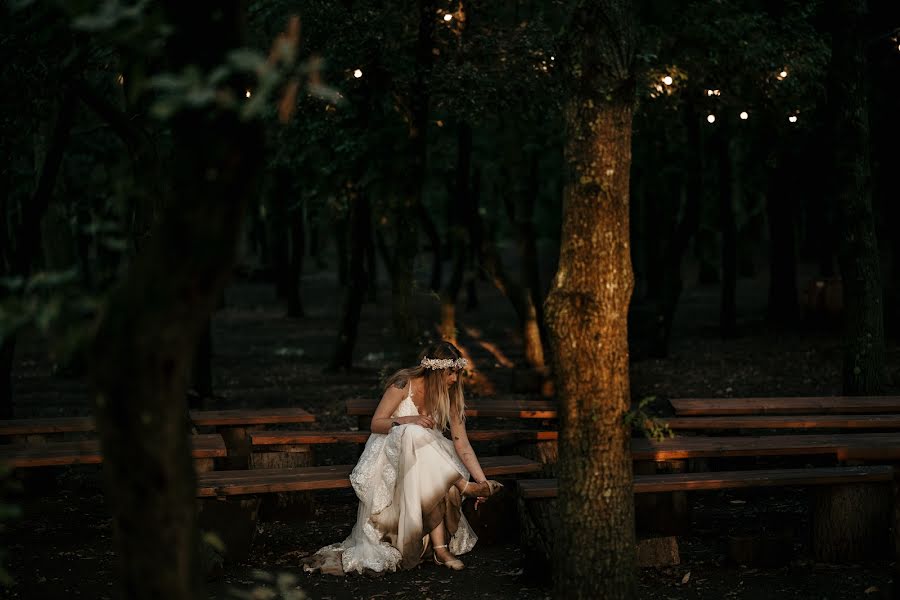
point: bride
(410, 479)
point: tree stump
(285, 505)
(233, 520)
(665, 513)
(851, 523)
(539, 522)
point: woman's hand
(420, 420)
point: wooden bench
(861, 533)
(690, 407)
(364, 408)
(204, 448)
(844, 446)
(828, 421)
(230, 500)
(233, 425)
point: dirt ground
(61, 547)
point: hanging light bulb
(711, 118)
(357, 73)
(744, 115)
(448, 17)
(792, 118)
(247, 94)
(667, 80)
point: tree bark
(781, 208)
(7, 355)
(863, 334)
(587, 311)
(295, 266)
(360, 224)
(141, 355)
(727, 306)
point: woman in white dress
(410, 479)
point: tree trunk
(360, 224)
(458, 234)
(277, 230)
(863, 362)
(727, 306)
(141, 355)
(7, 355)
(781, 208)
(587, 312)
(201, 377)
(295, 267)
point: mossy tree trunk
(145, 341)
(587, 310)
(863, 361)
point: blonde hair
(442, 403)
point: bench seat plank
(675, 482)
(84, 452)
(262, 481)
(236, 417)
(686, 407)
(846, 446)
(513, 409)
(829, 421)
(278, 438)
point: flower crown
(444, 363)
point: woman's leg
(439, 538)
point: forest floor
(61, 546)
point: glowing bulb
(552, 58)
(711, 118)
(247, 94)
(357, 73)
(448, 17)
(667, 80)
(744, 116)
(792, 118)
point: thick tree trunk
(360, 224)
(587, 312)
(277, 230)
(141, 355)
(863, 362)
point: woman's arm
(381, 420)
(464, 448)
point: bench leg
(546, 453)
(237, 441)
(851, 523)
(666, 513)
(284, 505)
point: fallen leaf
(686, 578)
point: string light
(711, 118)
(552, 58)
(448, 17)
(792, 118)
(247, 94)
(744, 116)
(667, 80)
(713, 93)
(357, 73)
(782, 75)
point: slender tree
(587, 309)
(863, 370)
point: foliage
(649, 425)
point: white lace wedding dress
(404, 482)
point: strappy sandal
(478, 490)
(453, 563)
